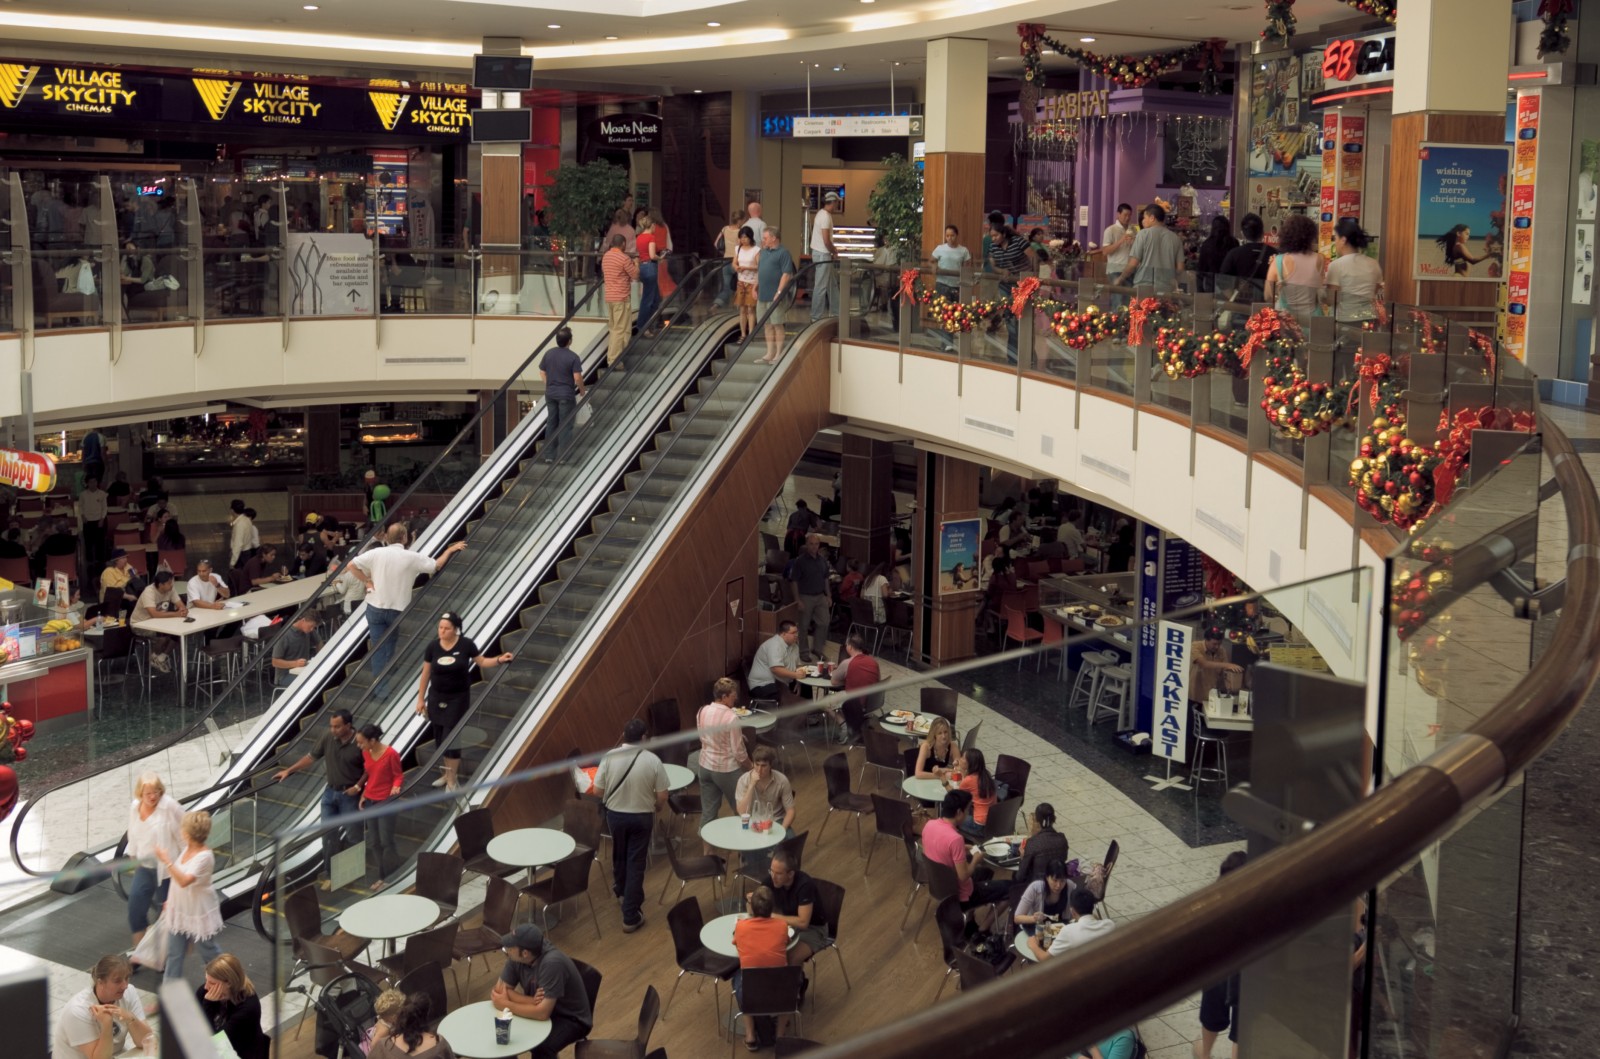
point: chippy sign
(1170, 719)
(33, 471)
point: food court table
(717, 935)
(532, 847)
(679, 777)
(389, 916)
(261, 601)
(904, 731)
(470, 1031)
(1020, 943)
(819, 685)
(929, 791)
(755, 720)
(726, 833)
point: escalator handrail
(1205, 936)
(462, 436)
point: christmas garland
(1124, 71)
(1554, 37)
(1386, 10)
(1281, 21)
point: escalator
(516, 494)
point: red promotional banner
(1352, 153)
(1524, 166)
(32, 471)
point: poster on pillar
(1461, 212)
(960, 545)
(330, 274)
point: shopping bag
(152, 948)
(585, 413)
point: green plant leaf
(895, 207)
(581, 199)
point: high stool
(1089, 665)
(1200, 772)
(1110, 692)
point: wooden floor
(892, 976)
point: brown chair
(591, 984)
(830, 908)
(883, 752)
(499, 918)
(474, 829)
(685, 921)
(1105, 875)
(51, 305)
(436, 945)
(321, 966)
(304, 914)
(943, 883)
(892, 817)
(1014, 773)
(177, 561)
(974, 971)
(439, 880)
(16, 571)
(836, 773)
(687, 869)
(569, 878)
(952, 923)
(686, 802)
(1003, 817)
(770, 992)
(428, 979)
(581, 820)
(970, 740)
(649, 1011)
(941, 702)
(919, 873)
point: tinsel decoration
(1395, 478)
(1030, 34)
(1280, 21)
(1554, 38)
(1124, 71)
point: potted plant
(895, 207)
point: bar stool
(1089, 665)
(1200, 772)
(1110, 686)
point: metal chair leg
(592, 914)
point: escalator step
(571, 594)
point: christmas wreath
(13, 733)
(1186, 354)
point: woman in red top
(650, 247)
(762, 941)
(384, 774)
(658, 224)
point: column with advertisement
(1352, 164)
(1326, 213)
(1524, 164)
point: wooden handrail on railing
(1171, 953)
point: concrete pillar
(957, 103)
(866, 499)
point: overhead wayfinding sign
(886, 125)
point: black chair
(830, 908)
(1014, 773)
(649, 1011)
(304, 914)
(864, 622)
(919, 874)
(1105, 875)
(686, 803)
(836, 773)
(769, 992)
(974, 971)
(855, 719)
(883, 752)
(952, 922)
(1003, 817)
(970, 740)
(499, 919)
(568, 879)
(428, 979)
(591, 984)
(943, 884)
(474, 829)
(685, 921)
(687, 869)
(941, 702)
(439, 880)
(893, 819)
(436, 945)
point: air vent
(1110, 470)
(1226, 530)
(424, 360)
(1274, 567)
(999, 430)
(1047, 445)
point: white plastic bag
(85, 281)
(585, 413)
(152, 948)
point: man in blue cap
(541, 982)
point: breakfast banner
(1169, 731)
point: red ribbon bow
(908, 284)
(1264, 326)
(1021, 294)
(1138, 313)
(1370, 368)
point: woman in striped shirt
(723, 757)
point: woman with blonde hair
(410, 1036)
(937, 756)
(154, 820)
(228, 1000)
(193, 913)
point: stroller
(346, 1013)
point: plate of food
(998, 848)
(742, 711)
(1048, 931)
(921, 725)
(1109, 621)
(899, 717)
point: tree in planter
(581, 199)
(895, 207)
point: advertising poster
(1169, 721)
(1583, 264)
(1461, 209)
(1588, 179)
(330, 274)
(1183, 575)
(960, 544)
(1352, 152)
(1279, 139)
(1329, 199)
(63, 588)
(1149, 611)
(1519, 275)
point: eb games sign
(1358, 60)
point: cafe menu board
(63, 96)
(1183, 575)
(1524, 164)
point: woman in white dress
(154, 821)
(193, 913)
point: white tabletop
(725, 833)
(531, 847)
(817, 682)
(904, 730)
(923, 790)
(679, 777)
(389, 916)
(758, 720)
(261, 601)
(717, 935)
(1020, 943)
(470, 1031)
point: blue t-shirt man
(774, 263)
(559, 366)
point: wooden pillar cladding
(866, 499)
(322, 439)
(670, 638)
(502, 210)
(952, 193)
(1398, 247)
(945, 627)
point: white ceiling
(759, 44)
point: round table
(470, 1031)
(725, 833)
(717, 935)
(819, 686)
(389, 916)
(904, 730)
(531, 847)
(758, 720)
(1020, 943)
(929, 791)
(679, 777)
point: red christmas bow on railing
(1263, 326)
(1021, 294)
(1549, 9)
(1370, 368)
(908, 284)
(1138, 313)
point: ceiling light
(1086, 40)
(611, 38)
(868, 1)
(310, 7)
(698, 91)
(714, 25)
(553, 25)
(837, 69)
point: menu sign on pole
(1524, 164)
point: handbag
(152, 948)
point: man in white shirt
(632, 785)
(241, 531)
(822, 255)
(92, 508)
(389, 574)
(207, 590)
(1118, 241)
(777, 660)
(1083, 929)
(754, 222)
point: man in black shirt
(794, 900)
(341, 757)
(1009, 255)
(541, 982)
(293, 649)
(562, 373)
(1248, 263)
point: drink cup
(744, 821)
(502, 1027)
